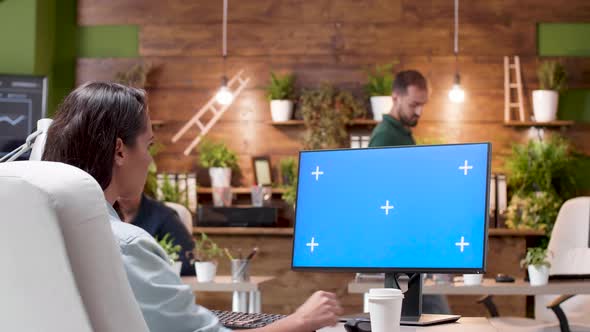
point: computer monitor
(23, 101)
(410, 209)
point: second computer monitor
(410, 209)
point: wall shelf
(237, 190)
(157, 123)
(558, 123)
(276, 231)
(514, 232)
(357, 122)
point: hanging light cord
(456, 38)
(224, 36)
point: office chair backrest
(185, 215)
(570, 248)
(37, 287)
(64, 198)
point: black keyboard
(240, 320)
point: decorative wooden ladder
(508, 86)
(205, 127)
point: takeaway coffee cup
(472, 279)
(385, 309)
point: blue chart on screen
(405, 208)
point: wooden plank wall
(329, 40)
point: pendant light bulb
(456, 94)
(224, 95)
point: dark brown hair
(405, 78)
(87, 124)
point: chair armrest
(555, 306)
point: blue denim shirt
(166, 303)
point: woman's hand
(320, 310)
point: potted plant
(137, 76)
(204, 256)
(172, 250)
(378, 87)
(538, 265)
(220, 161)
(288, 168)
(326, 113)
(552, 77)
(535, 210)
(281, 92)
(543, 165)
(542, 174)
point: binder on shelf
(493, 200)
(365, 141)
(172, 180)
(355, 141)
(182, 192)
(502, 199)
(191, 184)
(160, 184)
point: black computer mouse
(501, 277)
(358, 325)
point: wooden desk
(246, 295)
(467, 324)
(488, 287)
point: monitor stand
(412, 304)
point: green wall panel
(106, 41)
(563, 39)
(17, 36)
(64, 61)
(574, 104)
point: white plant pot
(177, 266)
(205, 271)
(381, 105)
(545, 105)
(220, 177)
(281, 110)
(538, 275)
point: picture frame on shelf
(262, 170)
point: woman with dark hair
(105, 130)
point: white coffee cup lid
(385, 292)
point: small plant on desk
(172, 250)
(204, 256)
(538, 265)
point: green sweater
(390, 132)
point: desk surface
(225, 284)
(479, 324)
(488, 287)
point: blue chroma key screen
(415, 208)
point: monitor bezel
(399, 269)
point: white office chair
(569, 244)
(63, 269)
(185, 215)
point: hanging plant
(326, 113)
(136, 76)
